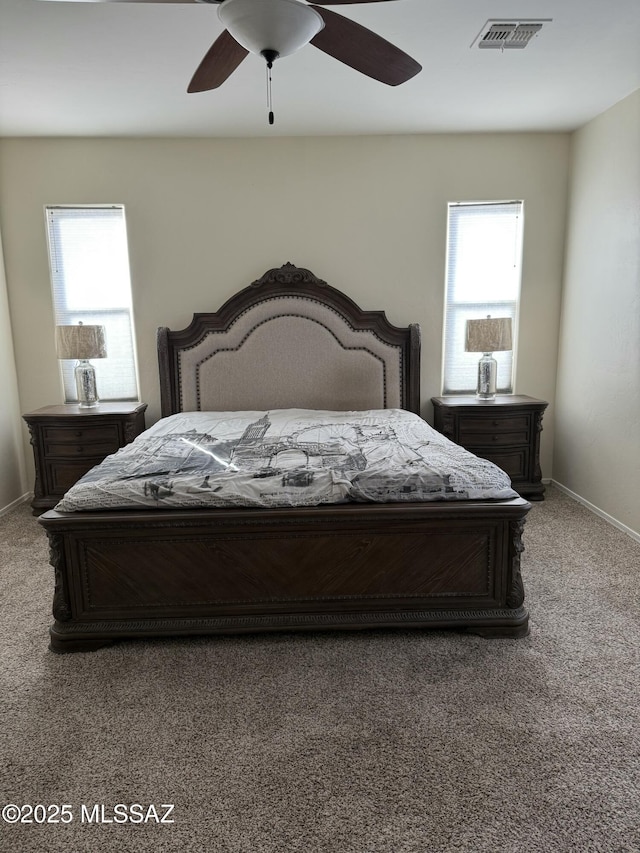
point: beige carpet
(388, 742)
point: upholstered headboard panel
(289, 340)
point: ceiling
(122, 69)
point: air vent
(509, 34)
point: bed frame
(287, 340)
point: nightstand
(505, 430)
(67, 441)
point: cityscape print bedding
(286, 457)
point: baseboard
(597, 511)
(4, 510)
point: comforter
(286, 457)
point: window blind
(484, 260)
(90, 279)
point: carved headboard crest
(288, 274)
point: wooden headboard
(289, 340)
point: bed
(426, 556)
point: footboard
(169, 573)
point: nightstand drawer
(516, 423)
(62, 475)
(100, 434)
(70, 450)
(489, 439)
(514, 462)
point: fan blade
(220, 61)
(147, 1)
(363, 50)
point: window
(89, 262)
(484, 259)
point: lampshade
(490, 335)
(283, 26)
(80, 341)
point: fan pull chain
(270, 57)
(269, 96)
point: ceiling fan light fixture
(282, 26)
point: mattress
(286, 457)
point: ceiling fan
(276, 28)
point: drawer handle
(80, 449)
(78, 433)
(495, 423)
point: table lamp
(82, 343)
(488, 336)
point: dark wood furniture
(67, 441)
(288, 340)
(505, 430)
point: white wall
(597, 453)
(12, 468)
(207, 217)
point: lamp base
(85, 376)
(487, 377)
